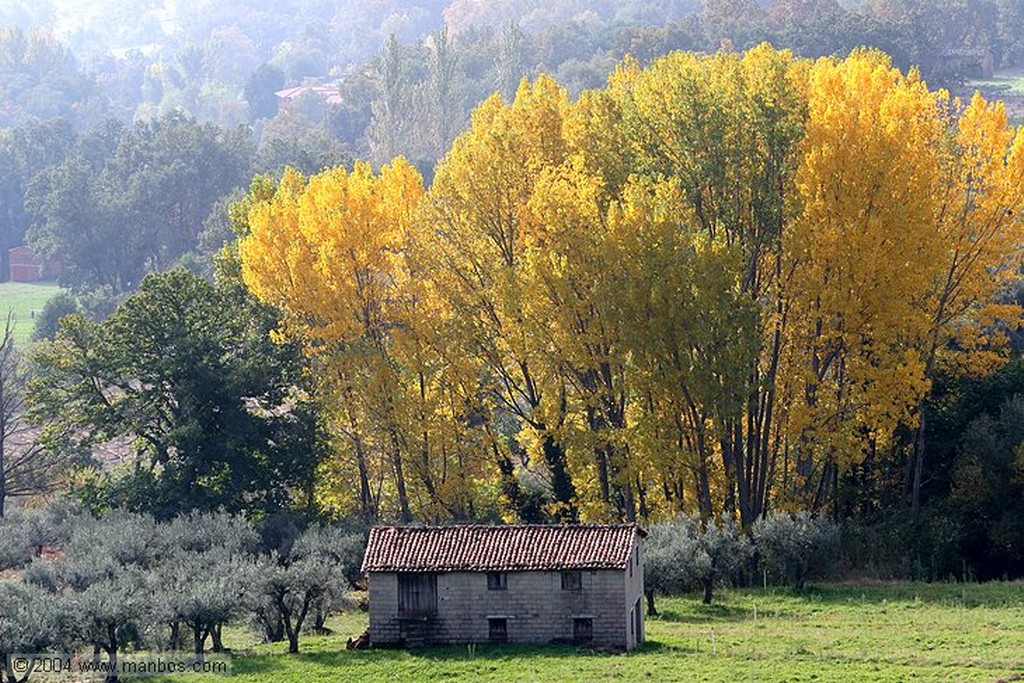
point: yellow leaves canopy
(648, 298)
(327, 251)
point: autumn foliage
(712, 286)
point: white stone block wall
(536, 607)
(634, 594)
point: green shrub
(796, 545)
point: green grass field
(1008, 82)
(1007, 86)
(24, 300)
(900, 632)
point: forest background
(783, 329)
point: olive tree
(15, 546)
(795, 544)
(725, 548)
(207, 575)
(679, 554)
(310, 576)
(24, 534)
(202, 591)
(107, 578)
(669, 549)
(31, 621)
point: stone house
(965, 62)
(514, 584)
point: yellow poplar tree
(328, 253)
(977, 199)
(578, 330)
(725, 128)
(711, 286)
(690, 335)
(476, 256)
(862, 254)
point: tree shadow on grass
(286, 667)
(703, 614)
(342, 657)
(279, 665)
(656, 646)
(538, 651)
(500, 652)
(993, 594)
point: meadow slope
(897, 632)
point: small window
(497, 630)
(497, 581)
(417, 594)
(638, 556)
(582, 631)
(572, 581)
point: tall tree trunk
(396, 462)
(561, 482)
(601, 456)
(641, 496)
(365, 496)
(217, 633)
(703, 477)
(704, 492)
(744, 461)
(627, 501)
(112, 654)
(825, 491)
(729, 465)
(919, 453)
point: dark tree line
(126, 201)
(115, 202)
(184, 382)
(970, 522)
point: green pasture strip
(25, 301)
(897, 632)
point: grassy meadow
(897, 632)
(25, 300)
(1010, 82)
(1007, 86)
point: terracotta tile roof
(499, 548)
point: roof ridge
(500, 547)
(500, 525)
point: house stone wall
(385, 627)
(536, 608)
(634, 596)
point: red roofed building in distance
(26, 266)
(327, 94)
(517, 584)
